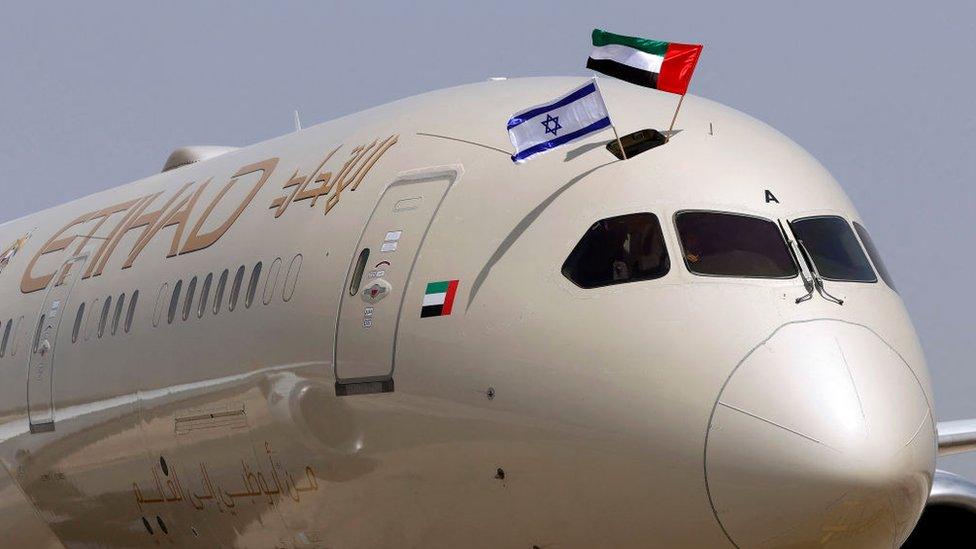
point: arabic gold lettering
(321, 178)
(281, 203)
(313, 484)
(368, 165)
(341, 182)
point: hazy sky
(96, 94)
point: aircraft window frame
(6, 337)
(219, 292)
(684, 255)
(131, 313)
(357, 276)
(874, 256)
(252, 285)
(235, 288)
(103, 318)
(191, 290)
(174, 301)
(15, 341)
(271, 282)
(292, 281)
(76, 328)
(567, 270)
(117, 317)
(857, 241)
(204, 295)
(91, 319)
(37, 333)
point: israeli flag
(569, 118)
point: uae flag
(666, 66)
(439, 298)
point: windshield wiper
(818, 281)
(808, 281)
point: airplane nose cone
(822, 436)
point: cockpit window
(834, 249)
(726, 244)
(873, 253)
(620, 249)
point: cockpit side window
(736, 245)
(873, 254)
(833, 248)
(627, 248)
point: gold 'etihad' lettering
(178, 209)
(197, 241)
(31, 283)
(174, 212)
(156, 221)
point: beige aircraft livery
(381, 332)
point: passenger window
(92, 319)
(357, 276)
(291, 278)
(219, 295)
(727, 244)
(204, 295)
(235, 289)
(873, 254)
(627, 248)
(191, 290)
(77, 327)
(271, 282)
(103, 320)
(833, 248)
(6, 337)
(37, 334)
(119, 307)
(174, 302)
(132, 311)
(15, 337)
(252, 286)
(158, 307)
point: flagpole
(619, 144)
(675, 117)
(613, 126)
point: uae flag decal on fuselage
(439, 298)
(666, 66)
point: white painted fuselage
(286, 409)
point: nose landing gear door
(376, 282)
(40, 368)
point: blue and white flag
(545, 127)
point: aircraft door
(371, 300)
(40, 369)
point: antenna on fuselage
(298, 122)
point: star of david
(555, 124)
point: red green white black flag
(666, 66)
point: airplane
(379, 331)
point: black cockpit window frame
(663, 269)
(856, 241)
(684, 256)
(873, 254)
